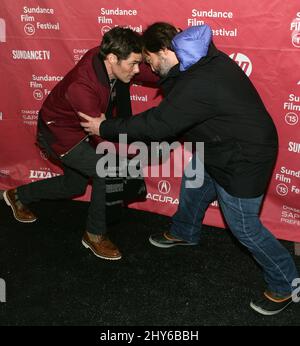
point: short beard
(164, 68)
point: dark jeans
(79, 167)
(242, 217)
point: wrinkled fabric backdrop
(41, 40)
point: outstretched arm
(177, 113)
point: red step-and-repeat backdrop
(41, 40)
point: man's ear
(112, 58)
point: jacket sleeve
(83, 98)
(181, 110)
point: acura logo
(164, 187)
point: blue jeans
(242, 217)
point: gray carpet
(52, 280)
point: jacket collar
(173, 73)
(211, 54)
(175, 70)
(100, 70)
(122, 99)
(191, 45)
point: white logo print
(296, 291)
(296, 39)
(282, 189)
(2, 30)
(2, 291)
(291, 118)
(295, 29)
(164, 187)
(243, 61)
(44, 155)
(29, 29)
(104, 29)
(38, 94)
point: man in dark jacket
(210, 99)
(98, 83)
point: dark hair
(159, 36)
(121, 42)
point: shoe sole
(165, 246)
(7, 201)
(265, 312)
(106, 258)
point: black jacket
(213, 102)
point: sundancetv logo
(294, 147)
(31, 54)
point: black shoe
(270, 304)
(166, 240)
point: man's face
(125, 70)
(159, 62)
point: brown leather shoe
(102, 248)
(21, 212)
